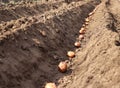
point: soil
(35, 38)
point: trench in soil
(30, 54)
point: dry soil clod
(43, 33)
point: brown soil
(34, 39)
(97, 62)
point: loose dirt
(35, 38)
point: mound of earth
(97, 62)
(35, 38)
